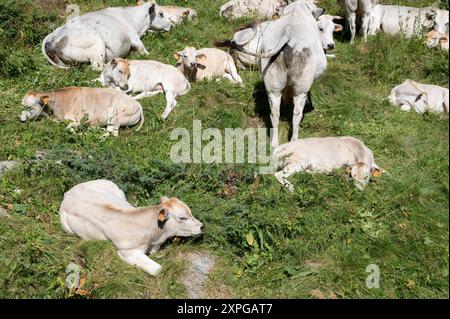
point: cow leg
(365, 25)
(146, 94)
(139, 259)
(137, 44)
(171, 103)
(299, 105)
(231, 69)
(112, 124)
(405, 107)
(287, 171)
(274, 101)
(352, 23)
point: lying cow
(290, 58)
(420, 97)
(97, 37)
(102, 107)
(360, 8)
(99, 210)
(323, 155)
(399, 19)
(146, 78)
(206, 63)
(243, 60)
(235, 9)
(435, 39)
(176, 15)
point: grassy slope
(322, 237)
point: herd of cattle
(290, 49)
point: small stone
(200, 265)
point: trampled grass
(320, 238)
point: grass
(320, 238)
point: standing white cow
(420, 97)
(146, 78)
(235, 9)
(399, 19)
(244, 60)
(360, 8)
(290, 61)
(97, 37)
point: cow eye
(161, 15)
(120, 72)
(183, 219)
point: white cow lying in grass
(323, 155)
(207, 63)
(97, 37)
(399, 19)
(98, 210)
(101, 107)
(420, 97)
(146, 78)
(435, 39)
(235, 9)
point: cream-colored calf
(98, 210)
(101, 107)
(207, 63)
(323, 155)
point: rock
(200, 265)
(6, 165)
(3, 213)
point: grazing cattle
(101, 107)
(235, 9)
(176, 15)
(97, 37)
(441, 21)
(323, 155)
(420, 97)
(206, 63)
(398, 19)
(146, 78)
(244, 60)
(99, 210)
(360, 8)
(435, 38)
(290, 61)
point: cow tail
(51, 53)
(141, 122)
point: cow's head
(360, 173)
(155, 16)
(190, 58)
(116, 73)
(191, 14)
(176, 219)
(327, 27)
(34, 106)
(441, 21)
(434, 38)
(430, 15)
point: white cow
(97, 37)
(290, 61)
(420, 97)
(176, 15)
(99, 210)
(243, 60)
(146, 78)
(235, 9)
(436, 38)
(323, 155)
(206, 63)
(361, 8)
(399, 19)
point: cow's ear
(201, 58)
(376, 172)
(163, 215)
(349, 170)
(151, 10)
(337, 27)
(163, 200)
(113, 63)
(186, 13)
(177, 55)
(44, 100)
(140, 2)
